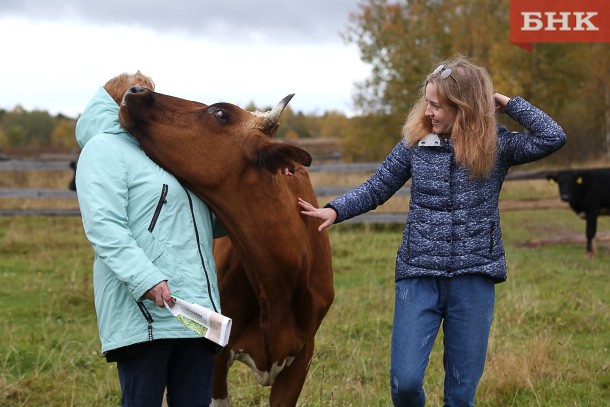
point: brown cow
(275, 272)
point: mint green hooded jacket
(143, 227)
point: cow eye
(220, 115)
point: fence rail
(64, 165)
(36, 193)
(39, 212)
(34, 165)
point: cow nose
(132, 89)
(136, 89)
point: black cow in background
(72, 184)
(588, 193)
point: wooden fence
(328, 191)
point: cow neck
(281, 251)
(252, 213)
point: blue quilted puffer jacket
(453, 225)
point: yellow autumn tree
(63, 134)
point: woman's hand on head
(328, 215)
(501, 101)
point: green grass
(49, 351)
(549, 343)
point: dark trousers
(184, 366)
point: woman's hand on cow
(501, 101)
(328, 215)
(159, 293)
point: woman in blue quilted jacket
(452, 254)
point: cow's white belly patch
(263, 377)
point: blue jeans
(185, 366)
(465, 306)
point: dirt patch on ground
(515, 205)
(560, 236)
(570, 238)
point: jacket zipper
(491, 238)
(162, 201)
(205, 271)
(409, 242)
(148, 319)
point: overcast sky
(57, 53)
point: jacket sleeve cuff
(333, 207)
(155, 278)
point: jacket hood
(100, 116)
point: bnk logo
(563, 21)
(559, 21)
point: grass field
(549, 343)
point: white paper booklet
(207, 323)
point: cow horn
(273, 116)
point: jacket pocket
(491, 237)
(162, 201)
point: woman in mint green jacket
(150, 235)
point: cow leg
(591, 230)
(287, 386)
(220, 388)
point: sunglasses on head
(444, 72)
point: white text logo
(559, 21)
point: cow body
(588, 193)
(274, 268)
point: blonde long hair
(468, 90)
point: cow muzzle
(134, 89)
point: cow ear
(274, 156)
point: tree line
(20, 128)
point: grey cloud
(282, 21)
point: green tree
(332, 124)
(25, 128)
(63, 134)
(401, 41)
(3, 140)
(370, 137)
